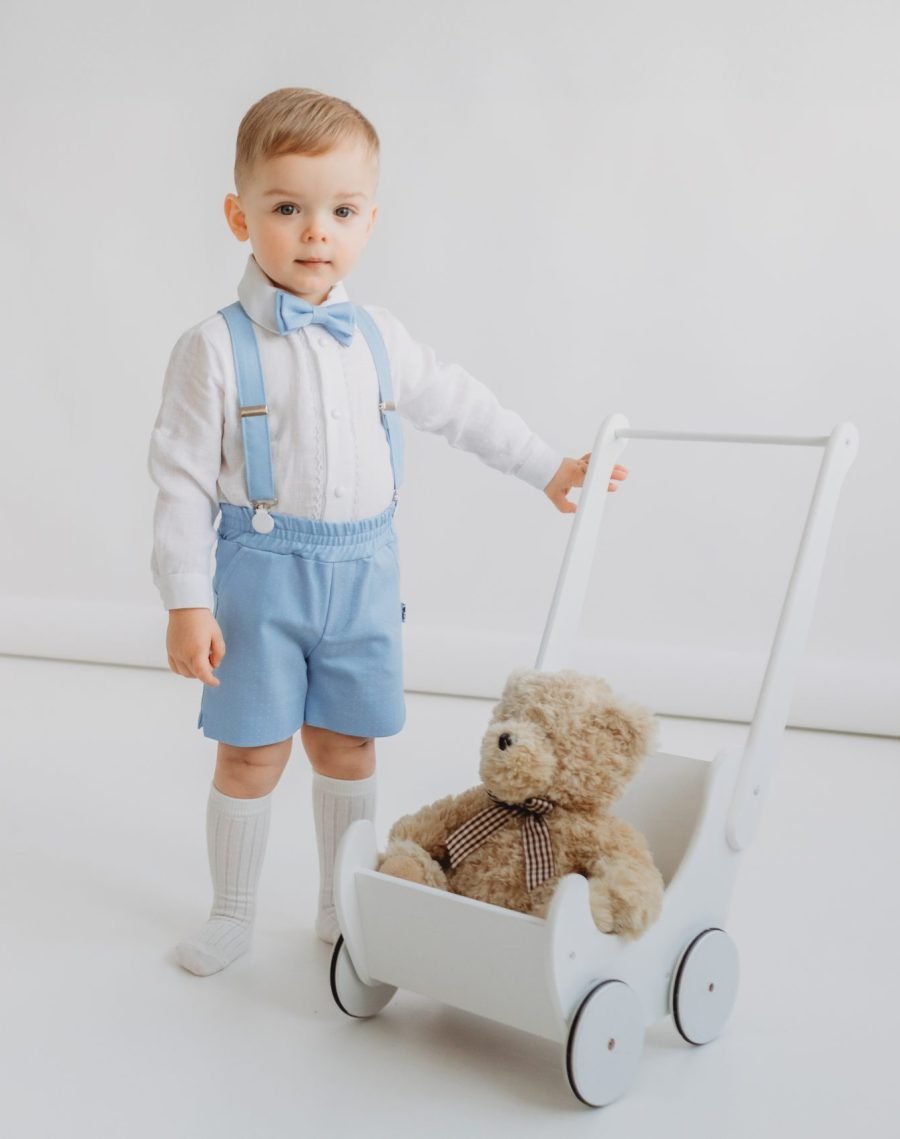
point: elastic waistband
(310, 537)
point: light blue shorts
(312, 620)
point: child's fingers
(562, 503)
(218, 648)
(202, 669)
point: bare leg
(338, 756)
(249, 772)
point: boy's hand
(572, 473)
(195, 644)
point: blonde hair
(297, 120)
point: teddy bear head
(563, 736)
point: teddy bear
(559, 750)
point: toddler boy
(281, 411)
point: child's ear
(372, 218)
(234, 215)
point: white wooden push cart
(559, 977)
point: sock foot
(218, 943)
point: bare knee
(336, 755)
(249, 772)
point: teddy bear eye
(505, 741)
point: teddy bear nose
(505, 741)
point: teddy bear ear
(597, 686)
(515, 680)
(634, 728)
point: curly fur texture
(571, 740)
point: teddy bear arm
(626, 887)
(417, 844)
(430, 827)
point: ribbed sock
(236, 834)
(336, 804)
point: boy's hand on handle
(572, 473)
(195, 644)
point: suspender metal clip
(387, 405)
(262, 522)
(255, 409)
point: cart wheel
(605, 1043)
(352, 995)
(705, 986)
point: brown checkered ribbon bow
(535, 835)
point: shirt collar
(257, 295)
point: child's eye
(285, 206)
(346, 215)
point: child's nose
(314, 229)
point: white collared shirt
(330, 455)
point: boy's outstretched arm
(572, 473)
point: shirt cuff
(185, 591)
(540, 464)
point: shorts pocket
(228, 553)
(392, 546)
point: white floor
(104, 867)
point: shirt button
(335, 413)
(339, 492)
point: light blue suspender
(254, 412)
(389, 415)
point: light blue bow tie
(292, 312)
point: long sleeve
(446, 400)
(184, 461)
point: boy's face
(307, 217)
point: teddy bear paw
(408, 860)
(639, 917)
(612, 915)
(403, 866)
(602, 909)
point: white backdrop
(685, 212)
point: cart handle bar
(700, 437)
(773, 701)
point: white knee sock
(236, 834)
(336, 804)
